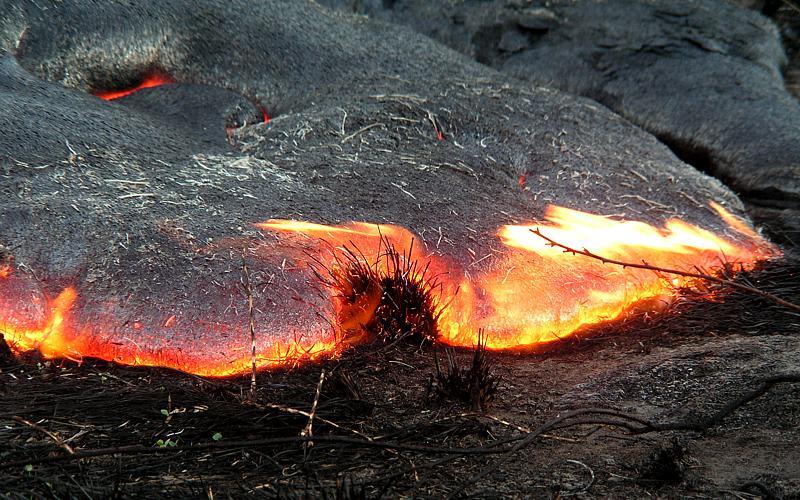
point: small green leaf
(217, 436)
(160, 443)
(29, 468)
(164, 412)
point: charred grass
(386, 415)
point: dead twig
(252, 323)
(585, 416)
(60, 442)
(686, 274)
(632, 423)
(308, 429)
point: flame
(150, 81)
(528, 294)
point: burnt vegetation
(667, 464)
(474, 386)
(100, 429)
(388, 297)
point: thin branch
(706, 423)
(60, 442)
(635, 425)
(308, 429)
(632, 423)
(707, 277)
(294, 411)
(252, 323)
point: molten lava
(47, 326)
(377, 277)
(539, 293)
(150, 81)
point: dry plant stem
(635, 425)
(294, 411)
(308, 429)
(722, 281)
(252, 323)
(47, 433)
(791, 5)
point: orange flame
(529, 294)
(150, 81)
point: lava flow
(47, 325)
(539, 293)
(150, 81)
(381, 280)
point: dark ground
(678, 367)
(63, 219)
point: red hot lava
(563, 293)
(150, 81)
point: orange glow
(48, 335)
(55, 336)
(539, 293)
(734, 222)
(526, 294)
(150, 81)
(5, 271)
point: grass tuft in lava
(389, 297)
(475, 386)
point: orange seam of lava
(494, 300)
(149, 82)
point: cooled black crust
(355, 108)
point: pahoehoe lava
(132, 218)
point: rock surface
(704, 77)
(131, 203)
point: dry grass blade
(308, 429)
(251, 323)
(57, 440)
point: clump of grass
(6, 356)
(475, 386)
(667, 464)
(389, 297)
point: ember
(379, 278)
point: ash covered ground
(644, 110)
